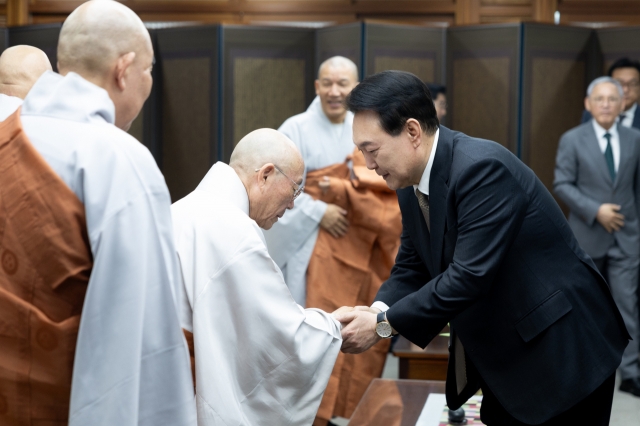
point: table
(394, 402)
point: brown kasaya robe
(348, 271)
(45, 265)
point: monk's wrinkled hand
(367, 309)
(342, 310)
(358, 331)
(335, 221)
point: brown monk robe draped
(46, 261)
(348, 271)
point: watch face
(383, 329)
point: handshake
(358, 328)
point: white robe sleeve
(132, 366)
(261, 358)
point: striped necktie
(423, 201)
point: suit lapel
(636, 118)
(593, 150)
(625, 153)
(438, 194)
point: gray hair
(605, 79)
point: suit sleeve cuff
(380, 305)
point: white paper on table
(432, 410)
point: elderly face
(604, 104)
(138, 88)
(274, 193)
(392, 157)
(332, 86)
(629, 79)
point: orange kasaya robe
(348, 271)
(45, 266)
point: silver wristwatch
(383, 328)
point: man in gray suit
(597, 175)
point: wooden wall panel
(342, 40)
(188, 62)
(418, 50)
(483, 70)
(555, 76)
(616, 43)
(268, 76)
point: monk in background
(20, 67)
(338, 244)
(89, 330)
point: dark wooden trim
(329, 7)
(518, 10)
(605, 8)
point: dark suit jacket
(586, 116)
(537, 320)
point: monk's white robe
(8, 105)
(131, 362)
(260, 358)
(292, 239)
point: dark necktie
(423, 201)
(608, 156)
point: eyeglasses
(297, 189)
(629, 84)
(601, 100)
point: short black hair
(395, 96)
(436, 89)
(624, 63)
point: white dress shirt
(629, 114)
(422, 186)
(602, 141)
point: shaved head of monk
(107, 44)
(271, 169)
(20, 67)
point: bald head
(339, 62)
(107, 44)
(270, 168)
(264, 146)
(96, 34)
(20, 67)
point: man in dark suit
(485, 248)
(627, 72)
(598, 176)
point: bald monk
(260, 358)
(89, 329)
(346, 224)
(20, 67)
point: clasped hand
(358, 328)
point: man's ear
(587, 105)
(414, 130)
(264, 173)
(122, 66)
(316, 84)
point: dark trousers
(594, 410)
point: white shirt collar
(224, 182)
(600, 131)
(423, 186)
(631, 112)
